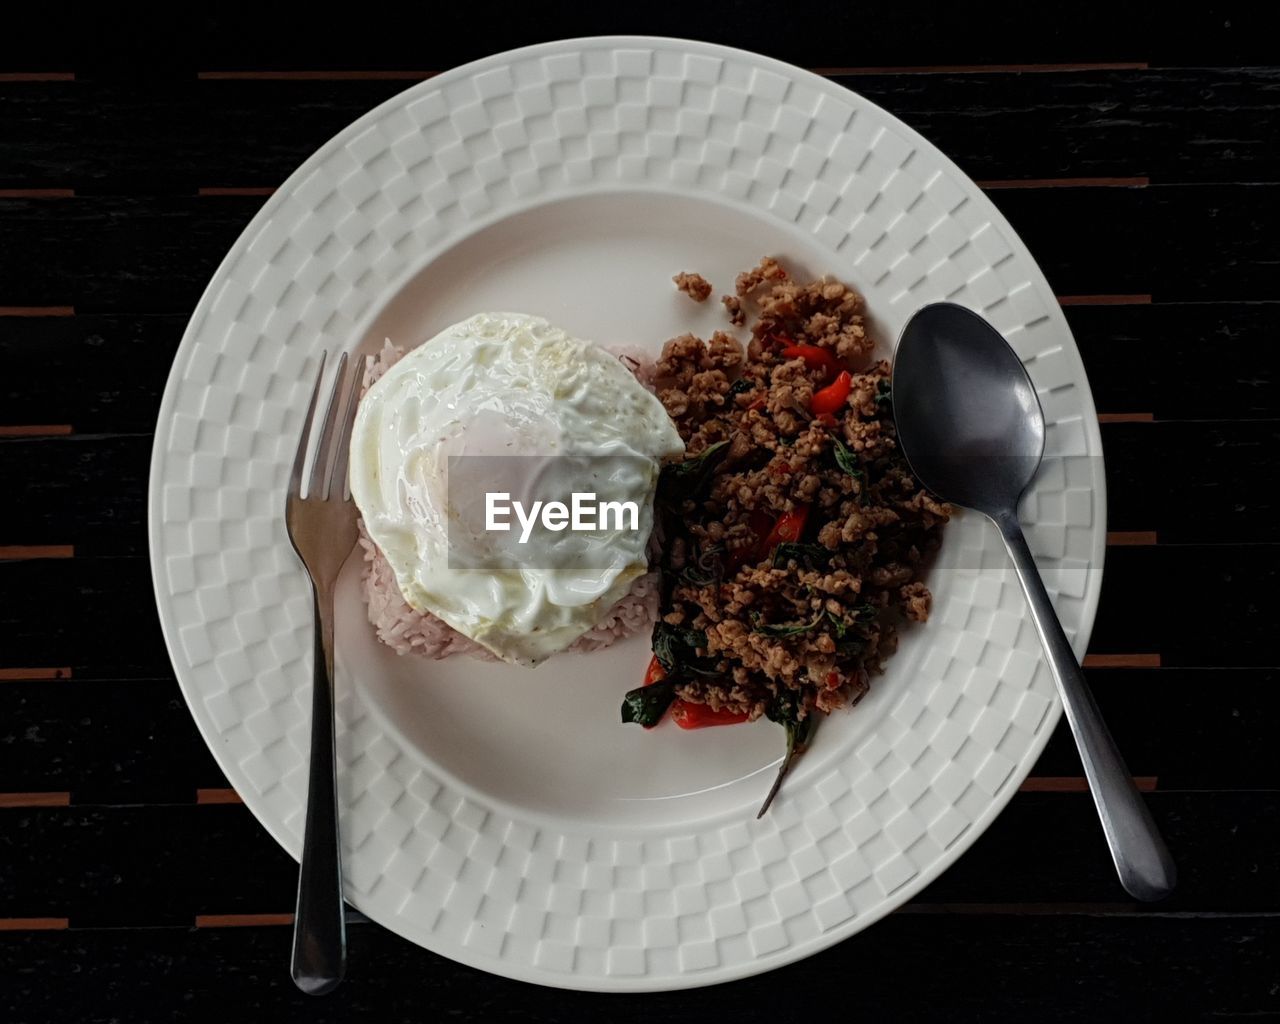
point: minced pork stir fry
(793, 532)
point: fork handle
(319, 927)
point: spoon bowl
(967, 414)
(971, 427)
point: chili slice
(814, 357)
(700, 716)
(832, 397)
(760, 525)
(788, 528)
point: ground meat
(724, 351)
(675, 401)
(916, 600)
(681, 358)
(695, 286)
(768, 269)
(815, 619)
(733, 306)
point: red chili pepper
(814, 357)
(759, 403)
(760, 523)
(779, 339)
(833, 680)
(655, 673)
(788, 528)
(831, 398)
(699, 716)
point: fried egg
(507, 404)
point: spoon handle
(1142, 860)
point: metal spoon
(971, 427)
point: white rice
(408, 631)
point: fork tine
(338, 482)
(300, 459)
(319, 485)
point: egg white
(555, 410)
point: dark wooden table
(1140, 162)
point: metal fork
(322, 529)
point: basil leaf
(685, 479)
(741, 386)
(850, 647)
(706, 569)
(785, 709)
(645, 705)
(697, 576)
(846, 460)
(675, 646)
(813, 556)
(884, 391)
(785, 629)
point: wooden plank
(105, 373)
(36, 193)
(1129, 239)
(102, 373)
(1104, 300)
(14, 552)
(992, 967)
(1118, 125)
(1129, 537)
(1078, 784)
(35, 799)
(1194, 482)
(9, 674)
(241, 920)
(100, 865)
(32, 924)
(93, 486)
(1148, 660)
(98, 44)
(1193, 728)
(104, 741)
(1231, 33)
(1126, 417)
(100, 601)
(1149, 604)
(157, 253)
(219, 795)
(133, 740)
(1112, 182)
(1182, 360)
(36, 430)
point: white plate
(505, 818)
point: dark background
(1137, 153)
